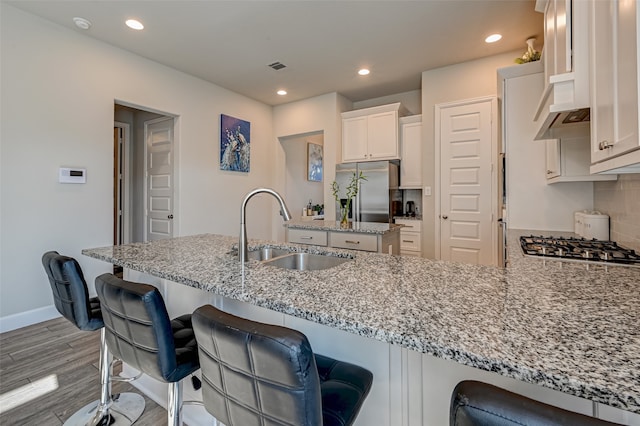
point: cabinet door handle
(407, 241)
(549, 172)
(445, 217)
(352, 242)
(170, 216)
(604, 145)
(306, 238)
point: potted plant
(352, 191)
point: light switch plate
(427, 191)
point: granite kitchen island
(564, 333)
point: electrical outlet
(427, 191)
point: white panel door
(159, 179)
(467, 144)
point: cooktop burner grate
(578, 249)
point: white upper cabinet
(568, 159)
(411, 141)
(615, 142)
(566, 66)
(354, 139)
(552, 151)
(557, 38)
(371, 134)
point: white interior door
(468, 148)
(159, 197)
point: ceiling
(322, 43)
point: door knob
(445, 217)
(170, 216)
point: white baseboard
(23, 319)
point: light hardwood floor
(56, 348)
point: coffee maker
(410, 209)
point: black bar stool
(257, 374)
(481, 404)
(139, 332)
(71, 298)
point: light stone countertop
(568, 326)
(332, 225)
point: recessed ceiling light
(364, 71)
(134, 24)
(83, 24)
(281, 92)
(493, 38)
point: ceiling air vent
(277, 65)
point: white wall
(467, 80)
(58, 93)
(321, 113)
(411, 100)
(531, 203)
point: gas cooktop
(579, 249)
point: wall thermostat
(72, 175)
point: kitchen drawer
(354, 241)
(410, 253)
(305, 236)
(410, 241)
(410, 225)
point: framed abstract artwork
(314, 162)
(235, 144)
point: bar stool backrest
(70, 293)
(138, 328)
(254, 373)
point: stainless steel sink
(306, 261)
(267, 253)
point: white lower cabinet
(354, 241)
(410, 237)
(306, 236)
(388, 243)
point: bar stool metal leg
(110, 410)
(174, 404)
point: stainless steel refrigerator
(374, 200)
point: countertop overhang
(567, 326)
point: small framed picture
(314, 162)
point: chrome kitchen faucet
(284, 211)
